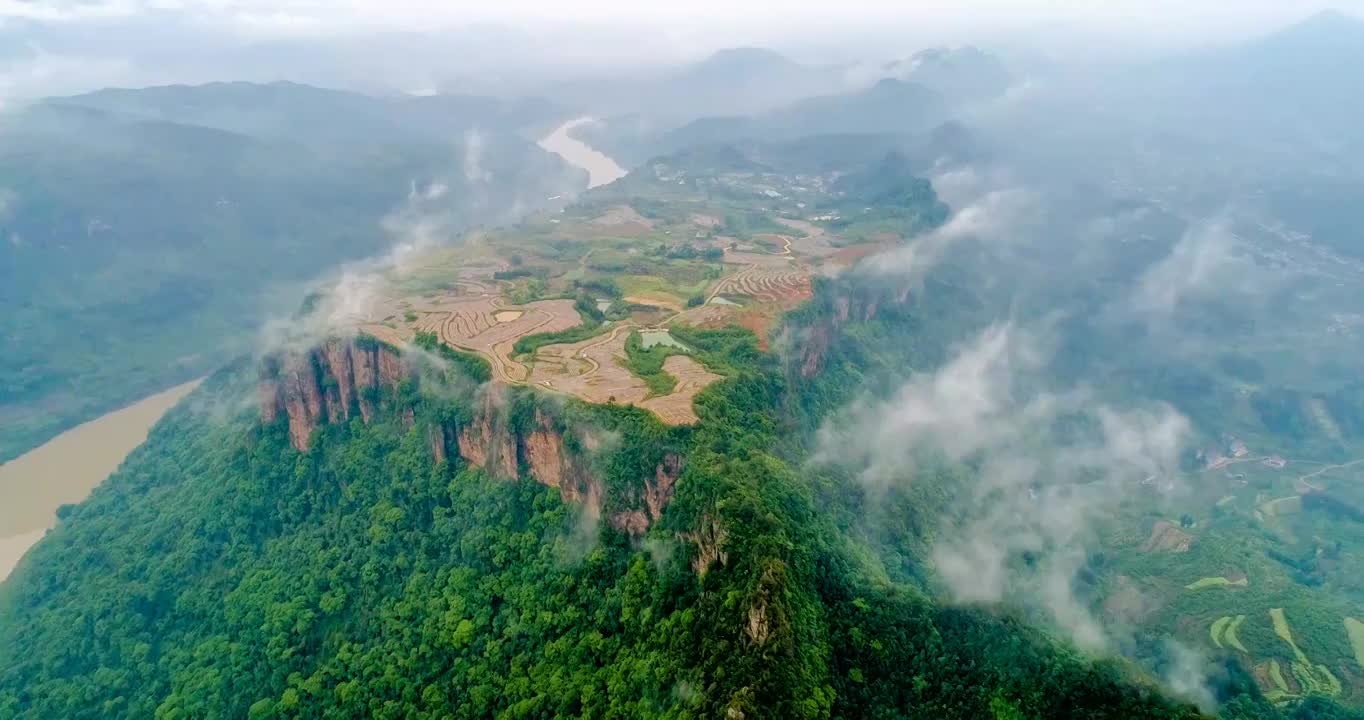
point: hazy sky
(57, 46)
(273, 18)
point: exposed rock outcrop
(861, 304)
(341, 379)
(486, 442)
(326, 384)
(363, 371)
(709, 538)
(632, 522)
(337, 354)
(544, 449)
(439, 437)
(659, 493)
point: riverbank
(66, 468)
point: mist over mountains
(945, 382)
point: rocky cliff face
(849, 305)
(327, 384)
(540, 453)
(338, 380)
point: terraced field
(784, 285)
(590, 370)
(475, 325)
(809, 239)
(1218, 581)
(457, 294)
(1223, 632)
(1312, 679)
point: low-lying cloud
(1202, 263)
(993, 217)
(1022, 525)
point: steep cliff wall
(341, 379)
(843, 305)
(329, 383)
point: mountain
(152, 224)
(903, 97)
(889, 106)
(1288, 87)
(480, 491)
(962, 75)
(734, 81)
(446, 505)
(300, 113)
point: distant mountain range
(907, 96)
(291, 111)
(889, 106)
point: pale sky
(61, 46)
(1185, 18)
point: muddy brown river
(600, 168)
(67, 467)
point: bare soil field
(763, 259)
(676, 408)
(660, 301)
(590, 370)
(622, 215)
(383, 333)
(484, 325)
(1165, 537)
(785, 285)
(812, 239)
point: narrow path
(1305, 479)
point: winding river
(66, 468)
(601, 169)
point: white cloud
(995, 216)
(1031, 494)
(1202, 262)
(36, 73)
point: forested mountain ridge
(438, 524)
(435, 588)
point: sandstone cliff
(341, 379)
(847, 304)
(327, 384)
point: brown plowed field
(472, 324)
(785, 285)
(813, 240)
(590, 370)
(677, 408)
(386, 334)
(771, 260)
